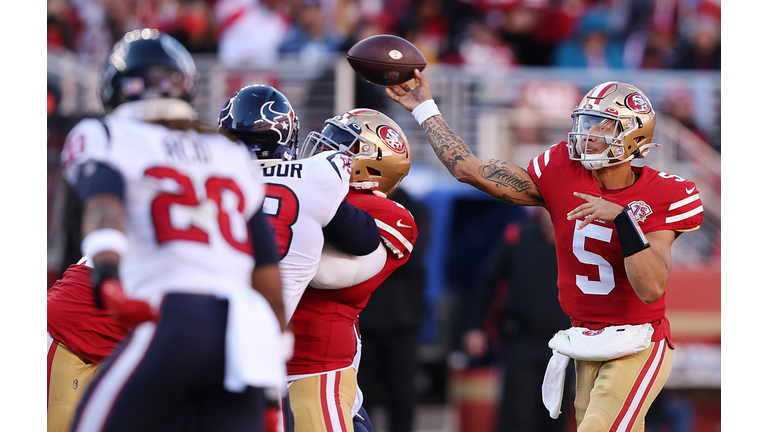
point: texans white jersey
(302, 197)
(188, 198)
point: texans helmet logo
(278, 121)
(392, 138)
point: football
(385, 59)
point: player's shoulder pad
(552, 156)
(341, 163)
(89, 139)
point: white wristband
(425, 110)
(105, 239)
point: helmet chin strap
(639, 153)
(597, 161)
(368, 185)
(364, 184)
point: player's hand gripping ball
(385, 60)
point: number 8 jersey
(302, 197)
(592, 281)
(188, 199)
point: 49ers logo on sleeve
(392, 138)
(640, 210)
(638, 103)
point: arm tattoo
(505, 176)
(448, 146)
(496, 172)
(513, 185)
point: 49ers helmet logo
(592, 332)
(392, 138)
(638, 103)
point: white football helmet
(615, 114)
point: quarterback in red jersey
(323, 371)
(614, 226)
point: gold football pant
(323, 403)
(69, 375)
(615, 395)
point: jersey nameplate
(284, 170)
(185, 150)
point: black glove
(102, 272)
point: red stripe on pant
(640, 388)
(336, 402)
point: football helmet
(381, 155)
(262, 118)
(615, 114)
(147, 64)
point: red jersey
(74, 319)
(325, 321)
(593, 286)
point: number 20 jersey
(302, 197)
(188, 198)
(592, 281)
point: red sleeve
(398, 229)
(675, 205)
(686, 212)
(396, 224)
(74, 319)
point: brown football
(385, 59)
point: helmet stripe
(601, 90)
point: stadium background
(506, 75)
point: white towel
(608, 343)
(554, 382)
(254, 356)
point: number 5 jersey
(593, 286)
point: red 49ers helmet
(616, 114)
(381, 155)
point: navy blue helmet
(146, 64)
(262, 118)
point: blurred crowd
(679, 34)
(483, 36)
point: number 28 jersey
(593, 286)
(188, 198)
